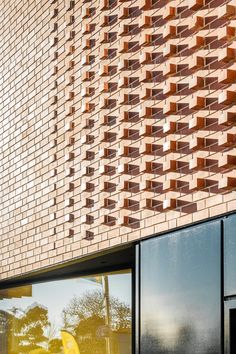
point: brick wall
(117, 122)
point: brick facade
(117, 122)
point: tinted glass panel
(79, 315)
(180, 292)
(230, 255)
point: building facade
(117, 164)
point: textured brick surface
(117, 122)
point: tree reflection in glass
(81, 315)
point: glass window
(84, 315)
(181, 292)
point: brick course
(117, 122)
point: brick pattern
(117, 122)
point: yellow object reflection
(92, 315)
(70, 345)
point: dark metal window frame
(230, 304)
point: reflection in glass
(180, 292)
(89, 315)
